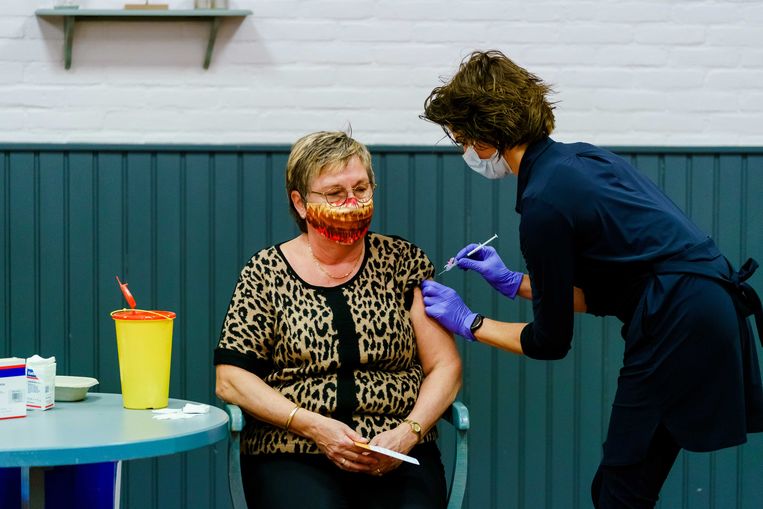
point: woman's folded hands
(337, 441)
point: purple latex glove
(487, 262)
(445, 305)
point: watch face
(416, 427)
(476, 324)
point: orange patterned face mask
(345, 224)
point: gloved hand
(445, 305)
(487, 262)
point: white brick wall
(660, 72)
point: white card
(389, 452)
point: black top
(591, 220)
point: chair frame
(457, 415)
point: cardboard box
(13, 385)
(41, 382)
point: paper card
(389, 452)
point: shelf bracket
(214, 26)
(68, 40)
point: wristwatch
(415, 427)
(476, 324)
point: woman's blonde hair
(492, 100)
(316, 153)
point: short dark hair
(492, 100)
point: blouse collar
(534, 150)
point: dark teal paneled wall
(177, 223)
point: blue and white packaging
(12, 388)
(41, 382)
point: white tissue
(36, 359)
(172, 416)
(191, 408)
(188, 411)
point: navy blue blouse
(591, 220)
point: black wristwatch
(476, 324)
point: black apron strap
(745, 295)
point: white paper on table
(192, 408)
(389, 452)
(172, 416)
(188, 411)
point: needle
(452, 262)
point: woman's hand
(337, 441)
(399, 439)
(334, 438)
(445, 305)
(490, 266)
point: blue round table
(99, 430)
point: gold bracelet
(291, 416)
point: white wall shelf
(70, 16)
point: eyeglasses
(456, 140)
(338, 197)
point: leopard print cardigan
(348, 351)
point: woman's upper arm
(435, 344)
(228, 373)
(228, 382)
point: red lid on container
(141, 314)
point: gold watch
(415, 427)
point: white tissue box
(41, 382)
(12, 388)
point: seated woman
(326, 344)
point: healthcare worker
(598, 236)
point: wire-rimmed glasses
(338, 197)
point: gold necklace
(320, 267)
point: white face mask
(494, 167)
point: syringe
(452, 262)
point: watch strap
(476, 323)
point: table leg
(94, 486)
(117, 484)
(24, 487)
